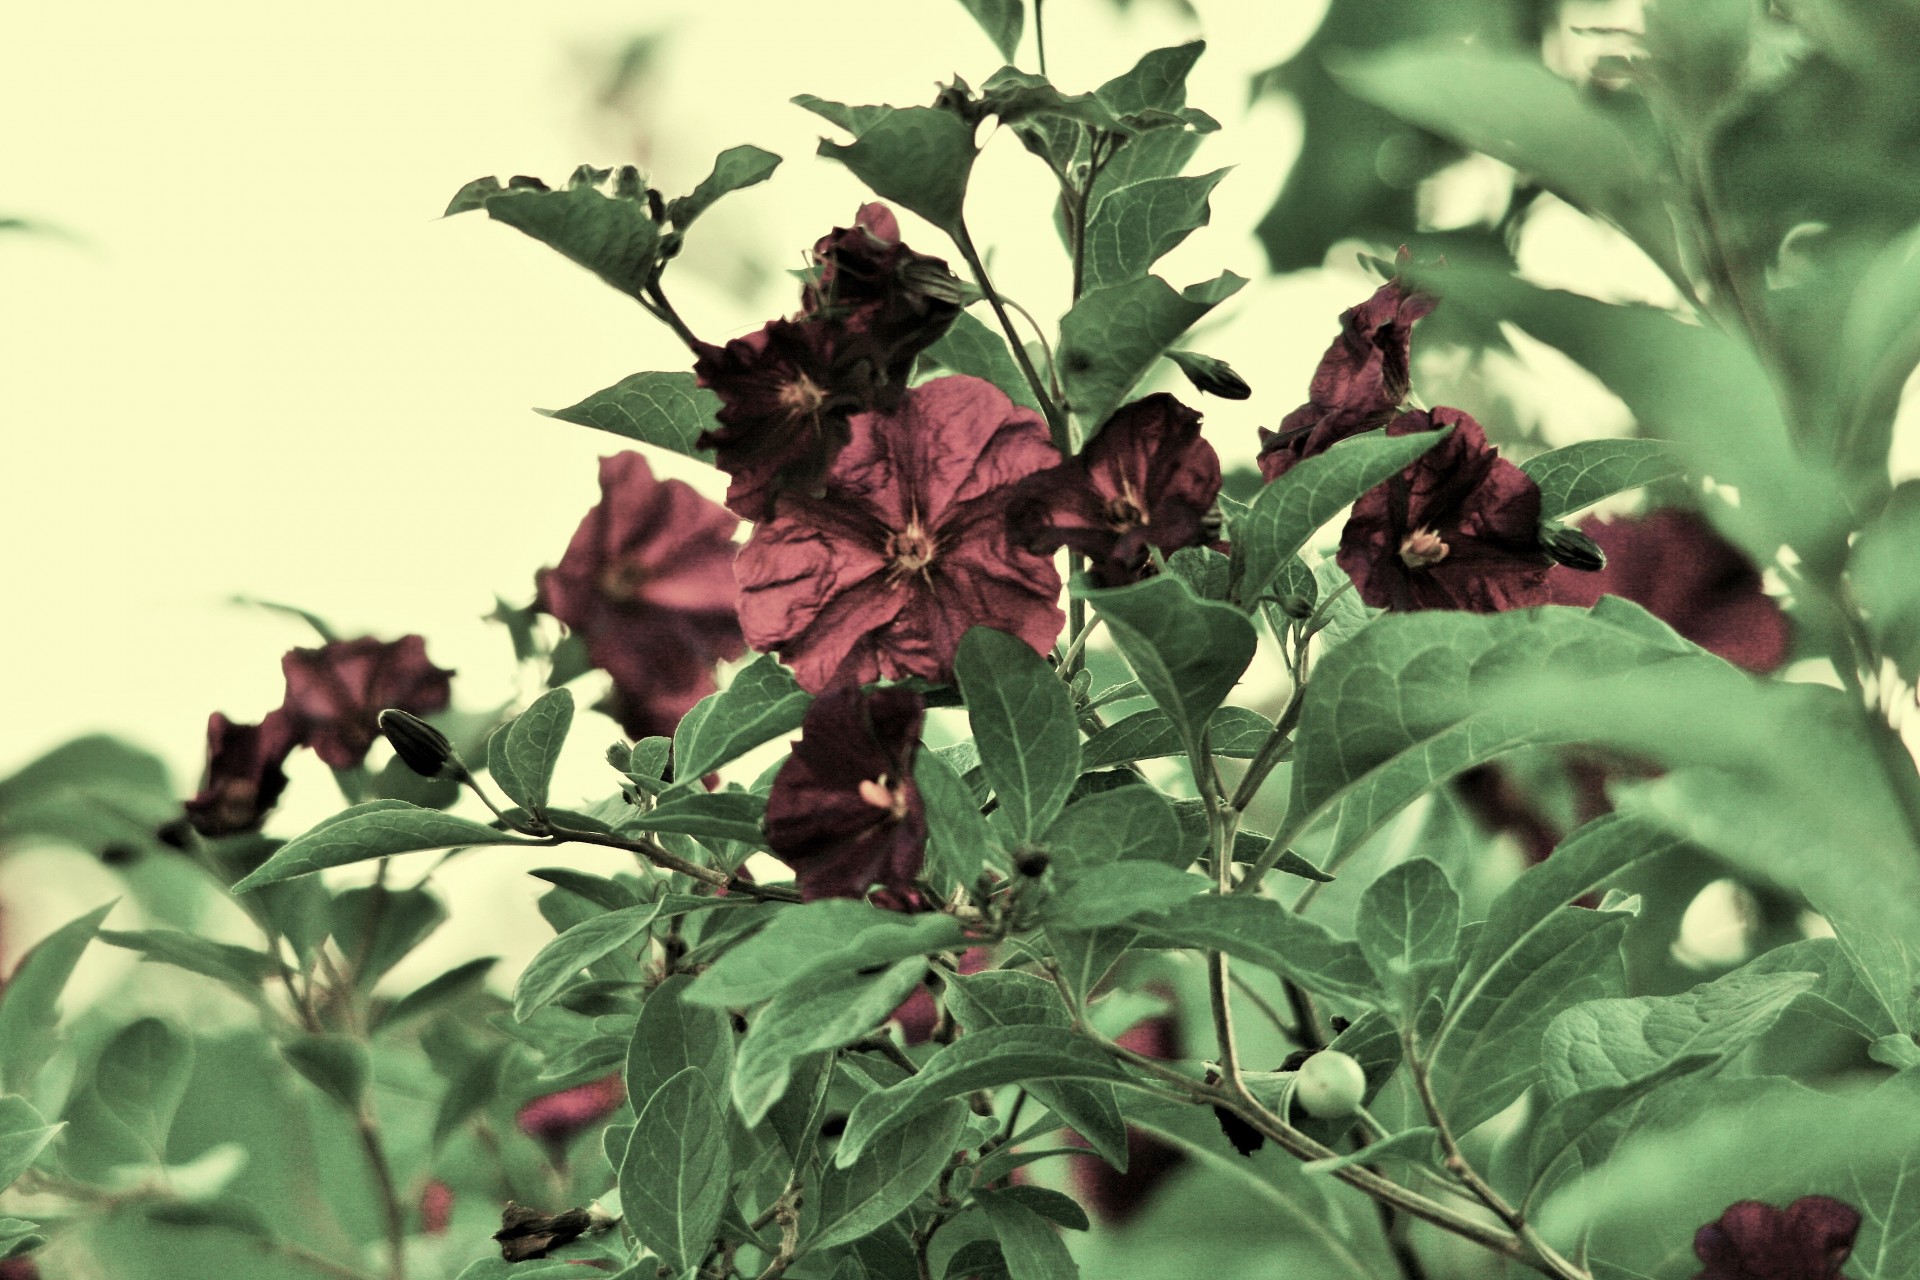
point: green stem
(1056, 419)
(1040, 33)
(390, 1210)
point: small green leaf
(762, 702)
(1113, 335)
(23, 1136)
(888, 1177)
(1002, 20)
(1111, 826)
(610, 235)
(558, 964)
(1233, 733)
(241, 968)
(755, 968)
(377, 927)
(983, 1059)
(530, 746)
(30, 1000)
(435, 992)
(1188, 653)
(1409, 919)
(1290, 510)
(733, 169)
(1022, 719)
(917, 157)
(1590, 1121)
(18, 1236)
(1134, 226)
(665, 409)
(674, 1179)
(958, 841)
(602, 892)
(671, 1035)
(140, 1077)
(1027, 1241)
(825, 1012)
(1119, 891)
(971, 347)
(376, 829)
(719, 815)
(1158, 82)
(336, 1065)
(1263, 932)
(1418, 1144)
(1880, 567)
(1582, 474)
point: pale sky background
(265, 365)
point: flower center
(1423, 549)
(910, 551)
(623, 579)
(801, 396)
(877, 793)
(1126, 512)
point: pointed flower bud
(1215, 377)
(1572, 548)
(420, 746)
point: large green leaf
(1586, 1124)
(733, 169)
(827, 1011)
(1158, 82)
(376, 829)
(1027, 1241)
(1002, 20)
(1134, 226)
(1263, 932)
(760, 703)
(23, 1136)
(1023, 722)
(665, 409)
(675, 1176)
(140, 1078)
(30, 1000)
(1113, 335)
(1290, 510)
(721, 815)
(972, 347)
(1580, 475)
(889, 1176)
(958, 839)
(794, 938)
(1187, 652)
(557, 966)
(1113, 826)
(611, 235)
(918, 157)
(1409, 922)
(673, 1034)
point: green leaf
(18, 1237)
(973, 348)
(669, 410)
(336, 1065)
(1118, 891)
(673, 1034)
(1112, 826)
(1411, 702)
(762, 702)
(1288, 512)
(889, 1176)
(719, 815)
(1589, 1122)
(755, 968)
(917, 157)
(958, 841)
(30, 1000)
(1417, 1144)
(530, 747)
(1002, 20)
(241, 968)
(376, 829)
(140, 1077)
(23, 1136)
(1582, 474)
(1134, 226)
(1188, 653)
(983, 1059)
(1880, 567)
(377, 927)
(1887, 964)
(1233, 733)
(1263, 932)
(1023, 722)
(610, 895)
(733, 169)
(1055, 1206)
(610, 235)
(1409, 921)
(435, 992)
(1840, 996)
(1027, 1241)
(558, 964)
(1158, 82)
(825, 1012)
(674, 1179)
(1113, 335)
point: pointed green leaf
(889, 1176)
(30, 1000)
(1418, 1144)
(761, 702)
(671, 1035)
(755, 968)
(1590, 1121)
(720, 815)
(1188, 653)
(1002, 20)
(1134, 226)
(1409, 919)
(241, 968)
(612, 236)
(828, 1011)
(376, 829)
(675, 1178)
(337, 1065)
(558, 964)
(1113, 335)
(531, 748)
(1027, 1241)
(1291, 510)
(971, 347)
(1158, 82)
(1112, 826)
(733, 169)
(917, 157)
(1023, 722)
(1233, 733)
(23, 1136)
(1263, 932)
(140, 1077)
(1119, 891)
(958, 841)
(665, 409)
(1580, 475)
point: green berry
(1331, 1085)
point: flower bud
(1214, 377)
(420, 746)
(1572, 548)
(1032, 863)
(1330, 1086)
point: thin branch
(390, 1210)
(1056, 418)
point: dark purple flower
(907, 545)
(1116, 1197)
(1360, 381)
(647, 582)
(436, 1208)
(335, 693)
(1147, 480)
(20, 1268)
(1458, 529)
(844, 812)
(555, 1118)
(894, 302)
(1673, 564)
(1808, 1240)
(244, 776)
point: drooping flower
(1114, 1196)
(917, 1014)
(1360, 381)
(555, 1118)
(335, 693)
(907, 545)
(436, 1208)
(1808, 1240)
(244, 776)
(1146, 481)
(894, 302)
(1673, 564)
(647, 582)
(1458, 529)
(844, 812)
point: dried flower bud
(526, 1234)
(420, 746)
(1572, 548)
(1214, 377)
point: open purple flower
(1808, 1240)
(647, 582)
(907, 545)
(1458, 529)
(555, 1118)
(844, 812)
(244, 775)
(1147, 480)
(1673, 564)
(335, 693)
(893, 302)
(1360, 381)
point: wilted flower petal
(1808, 1240)
(244, 776)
